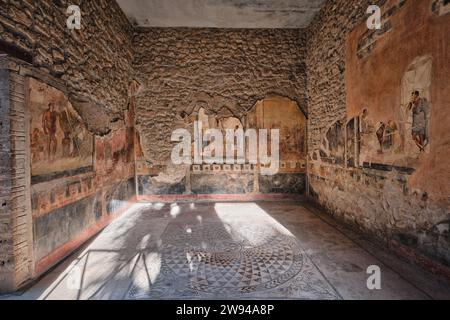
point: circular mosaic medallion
(214, 259)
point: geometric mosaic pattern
(208, 251)
(225, 266)
(208, 260)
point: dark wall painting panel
(283, 183)
(119, 195)
(222, 183)
(64, 224)
(149, 185)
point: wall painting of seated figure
(60, 142)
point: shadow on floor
(277, 250)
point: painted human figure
(66, 142)
(49, 119)
(385, 135)
(380, 135)
(72, 128)
(419, 131)
(37, 145)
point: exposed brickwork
(92, 66)
(15, 215)
(181, 69)
(369, 39)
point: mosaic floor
(211, 260)
(230, 251)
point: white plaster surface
(221, 13)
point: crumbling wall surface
(16, 245)
(94, 63)
(326, 54)
(69, 210)
(92, 69)
(184, 69)
(84, 181)
(364, 165)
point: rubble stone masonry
(225, 72)
(41, 222)
(93, 63)
(408, 211)
(181, 69)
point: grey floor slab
(264, 250)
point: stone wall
(223, 72)
(326, 54)
(354, 90)
(93, 68)
(93, 63)
(181, 69)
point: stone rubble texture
(381, 204)
(181, 69)
(92, 66)
(325, 60)
(94, 62)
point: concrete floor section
(263, 250)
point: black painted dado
(62, 225)
(148, 186)
(283, 183)
(226, 183)
(385, 167)
(118, 196)
(222, 183)
(62, 174)
(98, 209)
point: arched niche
(284, 114)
